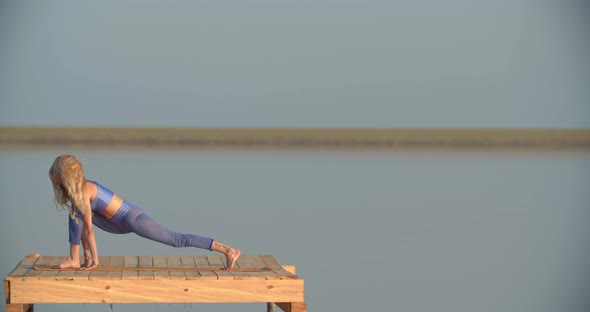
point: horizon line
(555, 139)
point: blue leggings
(130, 219)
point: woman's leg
(110, 226)
(75, 229)
(143, 225)
(75, 234)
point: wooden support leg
(19, 308)
(292, 306)
(14, 307)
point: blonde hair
(67, 176)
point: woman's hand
(88, 234)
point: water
(390, 231)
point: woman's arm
(87, 253)
(88, 236)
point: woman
(90, 203)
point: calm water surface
(392, 231)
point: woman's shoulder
(90, 182)
(90, 188)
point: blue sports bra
(102, 199)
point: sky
(464, 232)
(486, 64)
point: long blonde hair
(67, 177)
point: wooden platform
(155, 279)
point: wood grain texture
(19, 308)
(146, 263)
(292, 306)
(219, 261)
(174, 263)
(24, 268)
(103, 262)
(151, 279)
(274, 265)
(161, 262)
(151, 291)
(203, 263)
(115, 262)
(290, 268)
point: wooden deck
(155, 279)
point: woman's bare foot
(87, 263)
(69, 263)
(231, 257)
(231, 254)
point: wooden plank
(82, 274)
(29, 262)
(48, 275)
(219, 261)
(174, 263)
(115, 262)
(51, 261)
(150, 291)
(65, 275)
(188, 263)
(161, 262)
(153, 269)
(131, 262)
(250, 262)
(273, 264)
(32, 275)
(7, 291)
(104, 263)
(202, 264)
(19, 308)
(22, 269)
(239, 273)
(146, 262)
(292, 306)
(254, 262)
(270, 307)
(290, 268)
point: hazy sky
(456, 63)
